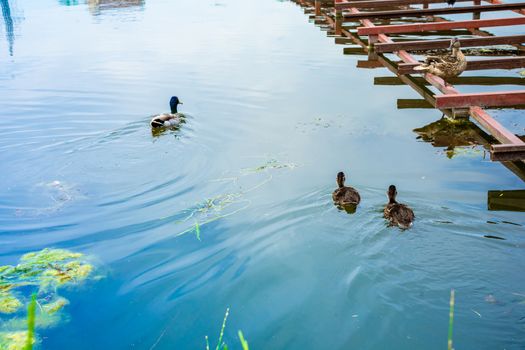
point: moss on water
(13, 340)
(8, 303)
(43, 272)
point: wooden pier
(380, 28)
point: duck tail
(422, 68)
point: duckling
(167, 120)
(446, 66)
(346, 197)
(398, 214)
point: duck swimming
(344, 196)
(398, 214)
(445, 66)
(167, 120)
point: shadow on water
(9, 25)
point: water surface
(275, 110)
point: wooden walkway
(375, 25)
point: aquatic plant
(42, 273)
(31, 312)
(451, 319)
(215, 208)
(221, 345)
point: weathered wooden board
(434, 11)
(444, 44)
(426, 27)
(500, 98)
(493, 63)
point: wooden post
(476, 15)
(338, 22)
(372, 54)
(317, 5)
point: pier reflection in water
(9, 25)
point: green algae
(227, 204)
(14, 340)
(42, 273)
(8, 303)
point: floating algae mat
(43, 273)
(226, 204)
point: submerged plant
(215, 208)
(42, 273)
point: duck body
(345, 195)
(445, 66)
(168, 120)
(398, 214)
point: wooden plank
(499, 99)
(426, 27)
(513, 200)
(408, 103)
(445, 43)
(369, 64)
(506, 157)
(405, 103)
(505, 148)
(493, 63)
(478, 81)
(387, 3)
(434, 11)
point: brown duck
(345, 196)
(448, 65)
(398, 214)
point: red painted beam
(425, 27)
(495, 99)
(386, 3)
(444, 44)
(434, 11)
(495, 63)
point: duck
(344, 196)
(448, 65)
(167, 120)
(398, 214)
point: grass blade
(244, 343)
(222, 329)
(31, 312)
(451, 319)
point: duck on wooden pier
(445, 66)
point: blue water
(275, 110)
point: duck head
(455, 44)
(174, 102)
(341, 179)
(392, 193)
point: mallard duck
(344, 196)
(398, 214)
(167, 120)
(446, 66)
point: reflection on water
(8, 22)
(506, 200)
(452, 135)
(96, 7)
